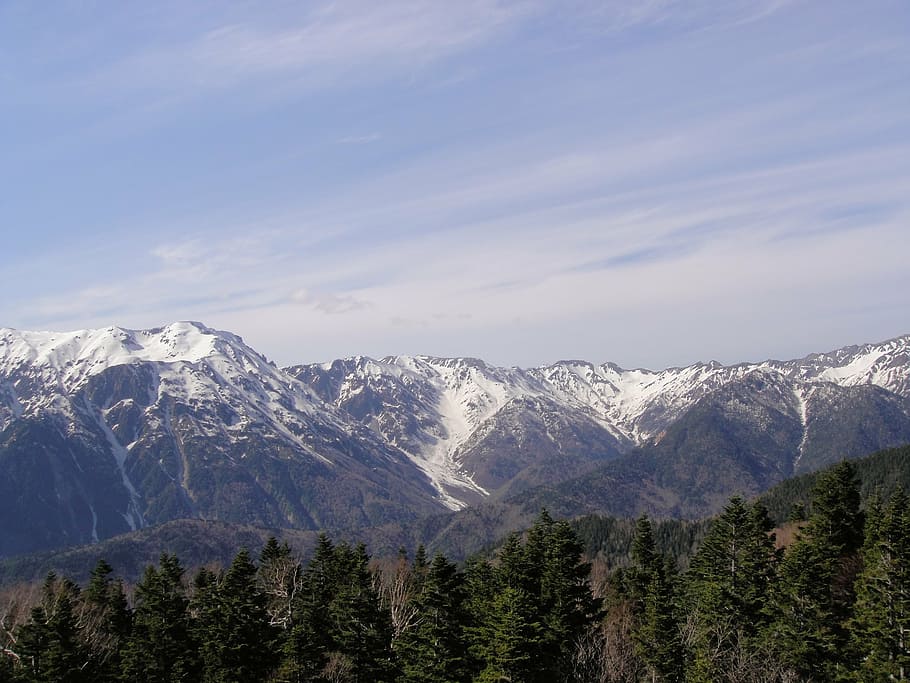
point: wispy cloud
(326, 302)
(617, 15)
(686, 171)
(314, 45)
(360, 139)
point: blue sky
(650, 183)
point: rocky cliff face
(103, 431)
(114, 429)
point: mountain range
(107, 430)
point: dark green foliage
(338, 621)
(360, 628)
(278, 580)
(610, 538)
(231, 624)
(565, 601)
(882, 473)
(508, 640)
(649, 585)
(435, 650)
(106, 624)
(48, 643)
(727, 587)
(880, 630)
(815, 595)
(161, 648)
(540, 587)
(835, 607)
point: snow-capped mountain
(111, 429)
(102, 431)
(441, 411)
(471, 427)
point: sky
(650, 183)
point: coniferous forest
(834, 605)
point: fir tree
(161, 648)
(339, 622)
(815, 597)
(306, 647)
(233, 627)
(435, 650)
(480, 590)
(107, 623)
(727, 588)
(649, 585)
(567, 605)
(49, 644)
(361, 628)
(880, 632)
(547, 574)
(509, 638)
(279, 578)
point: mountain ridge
(115, 429)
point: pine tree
(550, 570)
(568, 607)
(309, 641)
(649, 586)
(106, 623)
(279, 579)
(815, 596)
(339, 622)
(880, 632)
(361, 628)
(161, 648)
(727, 587)
(49, 644)
(509, 638)
(480, 590)
(435, 650)
(233, 627)
(547, 575)
(644, 551)
(513, 570)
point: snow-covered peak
(884, 364)
(108, 346)
(194, 364)
(72, 357)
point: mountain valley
(111, 430)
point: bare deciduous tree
(280, 580)
(606, 652)
(395, 585)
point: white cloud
(620, 15)
(322, 45)
(627, 200)
(326, 302)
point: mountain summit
(106, 430)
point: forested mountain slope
(110, 430)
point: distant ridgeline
(880, 474)
(835, 604)
(610, 538)
(109, 431)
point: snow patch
(94, 523)
(802, 396)
(133, 514)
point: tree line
(833, 606)
(339, 617)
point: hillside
(112, 430)
(459, 535)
